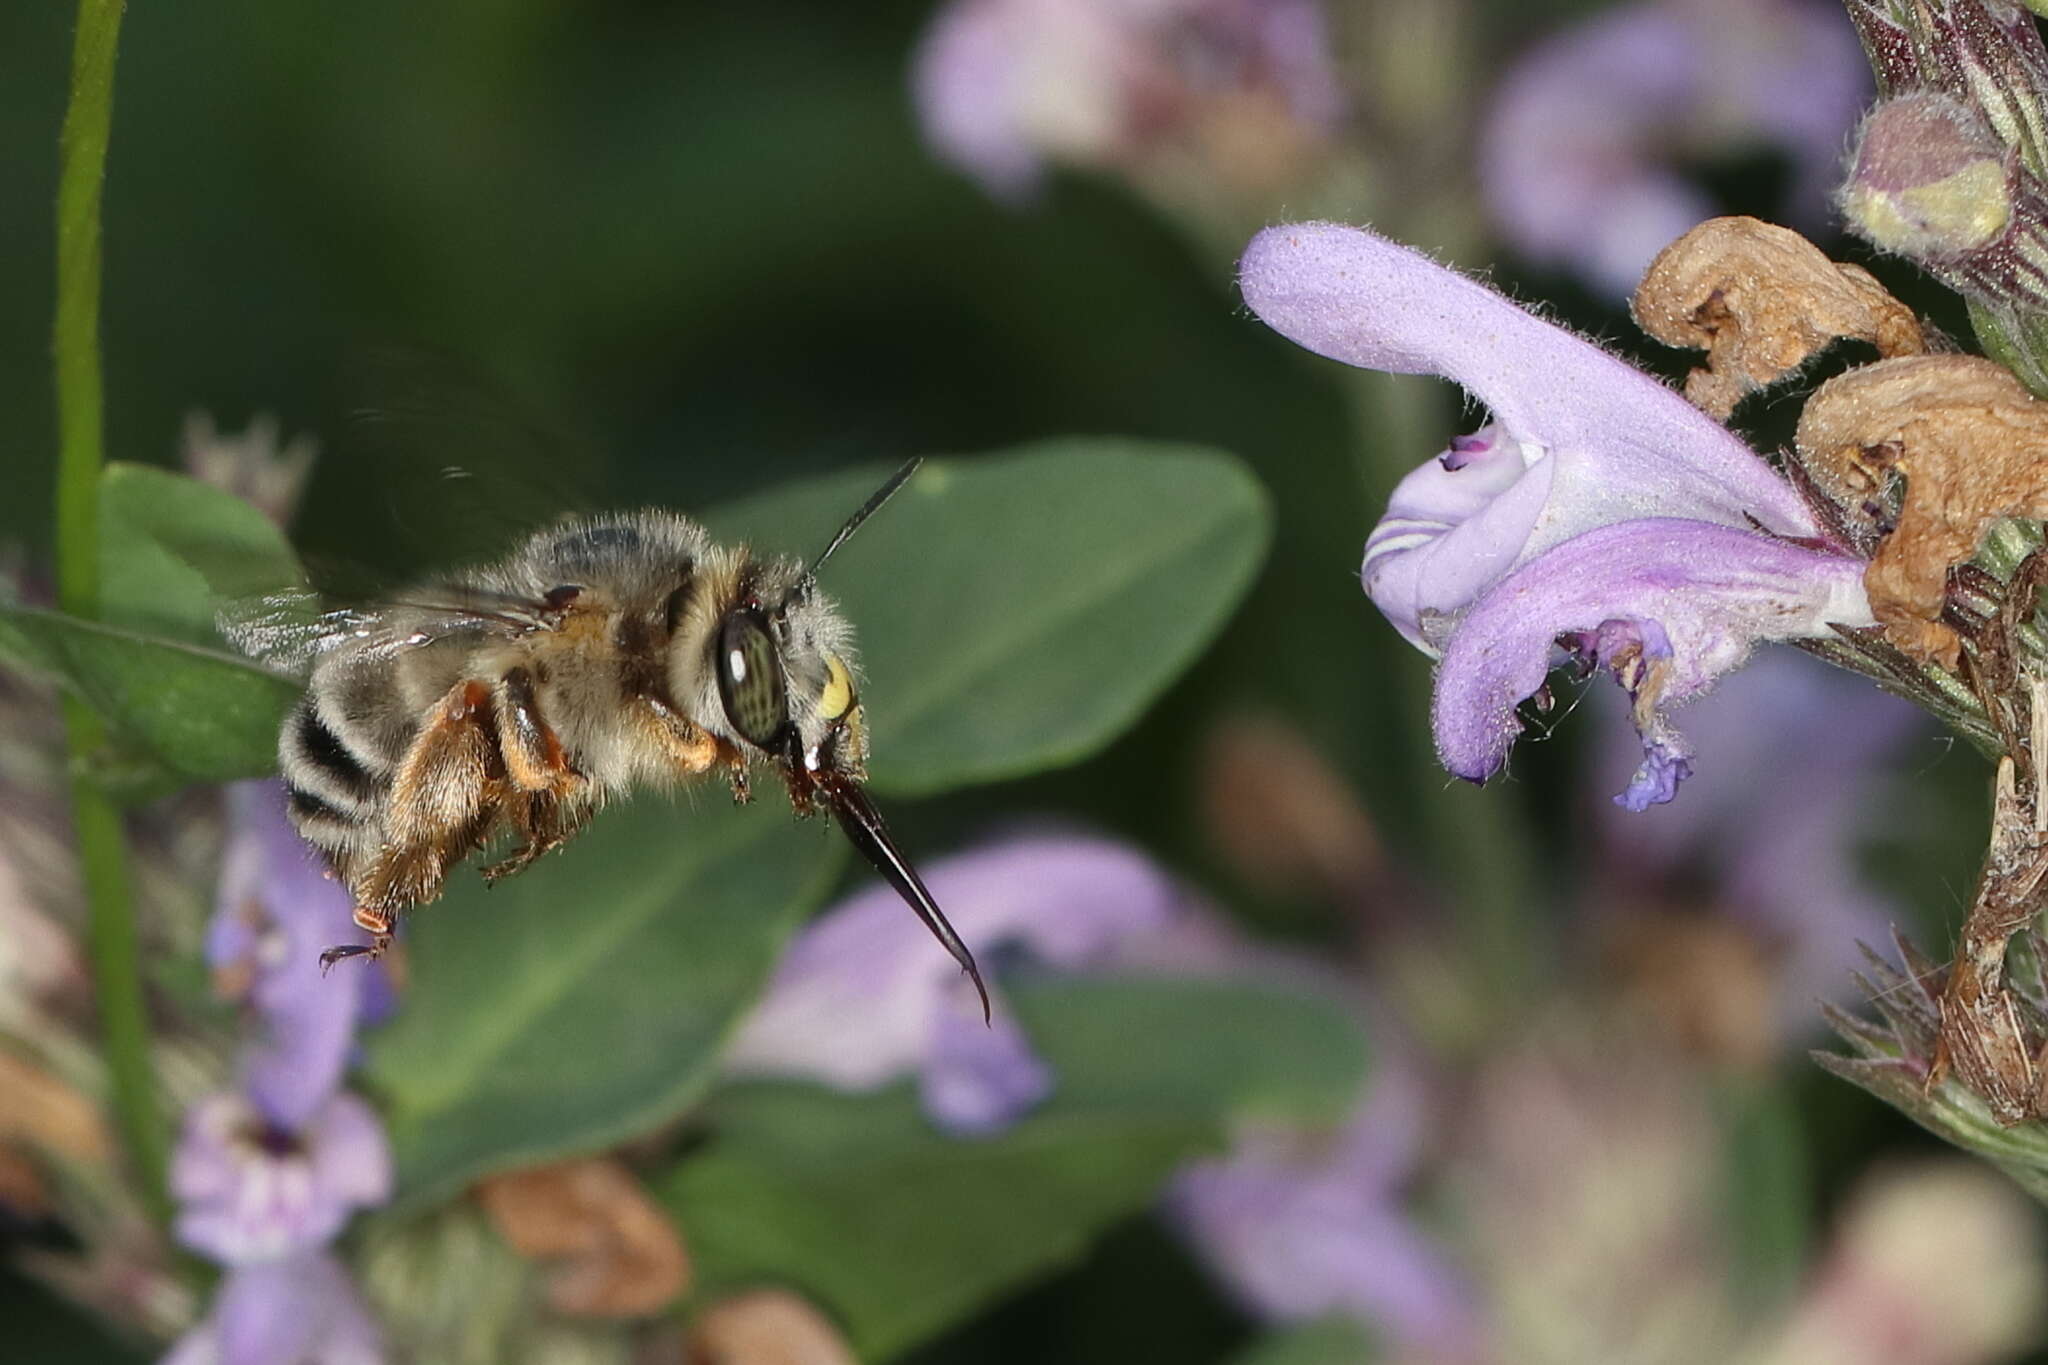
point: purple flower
(1004, 86)
(1598, 509)
(299, 1311)
(1299, 1226)
(252, 1190)
(1580, 152)
(861, 1000)
(277, 911)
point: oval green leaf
(1018, 611)
(1150, 1073)
(585, 1000)
(207, 716)
(172, 549)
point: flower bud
(1930, 179)
(1934, 182)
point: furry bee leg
(443, 802)
(549, 801)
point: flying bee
(604, 654)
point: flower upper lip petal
(1627, 446)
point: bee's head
(784, 659)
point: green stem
(117, 974)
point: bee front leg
(443, 803)
(690, 747)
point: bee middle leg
(547, 802)
(544, 821)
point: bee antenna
(867, 509)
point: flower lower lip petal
(1712, 591)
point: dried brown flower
(1761, 300)
(1972, 445)
(611, 1252)
(42, 1112)
(766, 1327)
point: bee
(605, 653)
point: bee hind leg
(378, 923)
(444, 803)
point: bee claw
(343, 951)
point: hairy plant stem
(117, 976)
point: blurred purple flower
(277, 911)
(1003, 87)
(299, 1311)
(1598, 510)
(1300, 1226)
(1581, 151)
(861, 998)
(1772, 829)
(251, 1190)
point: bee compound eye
(750, 679)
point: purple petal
(1004, 86)
(1453, 526)
(853, 1002)
(351, 1156)
(300, 1311)
(1298, 1228)
(1712, 592)
(278, 910)
(250, 1191)
(962, 80)
(1626, 446)
(1580, 151)
(979, 1078)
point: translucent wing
(290, 630)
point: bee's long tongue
(863, 825)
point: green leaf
(1328, 1341)
(1018, 611)
(901, 1232)
(585, 1000)
(207, 716)
(172, 548)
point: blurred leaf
(584, 1001)
(206, 715)
(171, 548)
(1018, 611)
(797, 1177)
(1328, 1341)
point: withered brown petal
(1761, 300)
(40, 1111)
(1972, 445)
(766, 1327)
(609, 1251)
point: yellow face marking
(838, 693)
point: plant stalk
(111, 936)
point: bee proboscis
(603, 654)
